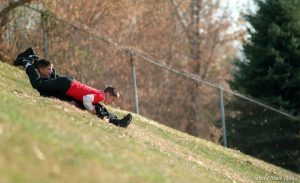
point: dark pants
(59, 84)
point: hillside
(47, 140)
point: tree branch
(11, 6)
(184, 23)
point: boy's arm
(88, 103)
(33, 75)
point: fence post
(223, 117)
(44, 27)
(136, 102)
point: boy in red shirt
(64, 87)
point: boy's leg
(102, 112)
(61, 84)
(124, 122)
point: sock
(27, 64)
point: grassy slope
(46, 140)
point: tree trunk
(194, 34)
(4, 18)
(11, 6)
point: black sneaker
(22, 61)
(28, 54)
(124, 122)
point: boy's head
(111, 94)
(44, 67)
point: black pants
(59, 84)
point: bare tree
(204, 31)
(207, 31)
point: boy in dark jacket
(48, 83)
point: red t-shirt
(77, 90)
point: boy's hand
(93, 112)
(106, 119)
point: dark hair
(42, 63)
(112, 91)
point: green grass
(47, 140)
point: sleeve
(33, 75)
(88, 102)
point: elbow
(87, 103)
(35, 86)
